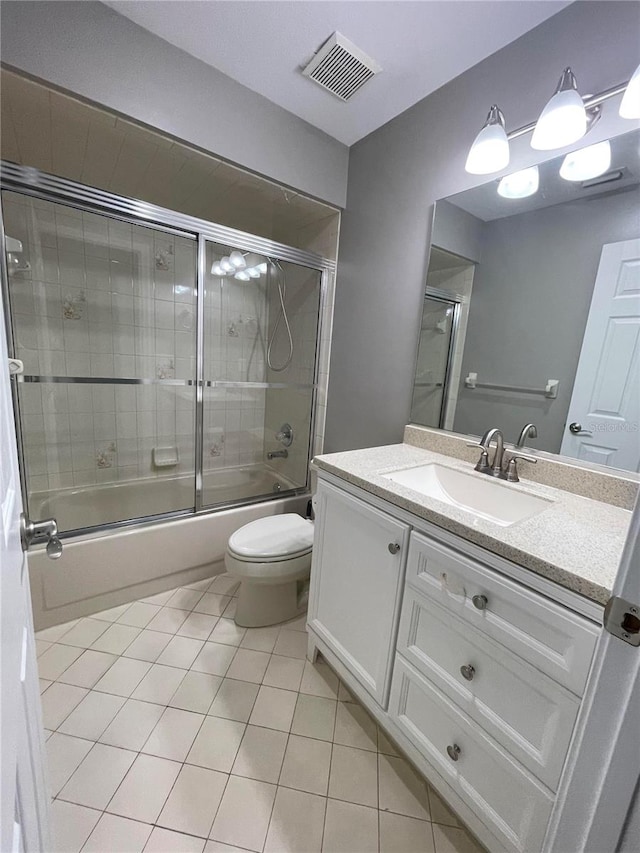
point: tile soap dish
(165, 457)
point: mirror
(532, 310)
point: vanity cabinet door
(356, 579)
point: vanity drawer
(527, 712)
(511, 802)
(555, 640)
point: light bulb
(587, 162)
(630, 104)
(254, 272)
(520, 184)
(216, 269)
(564, 119)
(490, 149)
(242, 275)
(226, 265)
(262, 268)
(237, 259)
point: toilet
(271, 557)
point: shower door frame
(454, 300)
(32, 182)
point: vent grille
(341, 67)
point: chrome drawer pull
(480, 601)
(453, 752)
(393, 547)
(468, 671)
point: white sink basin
(476, 494)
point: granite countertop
(576, 542)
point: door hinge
(622, 619)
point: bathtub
(99, 570)
(87, 506)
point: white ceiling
(421, 44)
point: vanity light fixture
(235, 264)
(236, 258)
(564, 119)
(520, 184)
(630, 104)
(586, 163)
(490, 150)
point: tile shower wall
(301, 287)
(92, 296)
(235, 320)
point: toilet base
(260, 605)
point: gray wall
(529, 307)
(458, 231)
(396, 174)
(91, 51)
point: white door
(596, 810)
(356, 579)
(24, 824)
(604, 415)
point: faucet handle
(482, 464)
(511, 470)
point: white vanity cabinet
(359, 555)
(476, 675)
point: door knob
(32, 532)
(480, 602)
(576, 429)
(393, 547)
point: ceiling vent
(341, 67)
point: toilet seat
(274, 539)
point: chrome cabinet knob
(393, 547)
(480, 602)
(468, 671)
(453, 751)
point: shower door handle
(33, 532)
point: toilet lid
(285, 535)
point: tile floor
(171, 729)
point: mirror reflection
(532, 307)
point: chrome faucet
(527, 431)
(504, 460)
(495, 469)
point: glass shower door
(434, 351)
(103, 316)
(260, 337)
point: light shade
(587, 162)
(520, 184)
(564, 119)
(237, 259)
(216, 269)
(630, 104)
(490, 150)
(242, 275)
